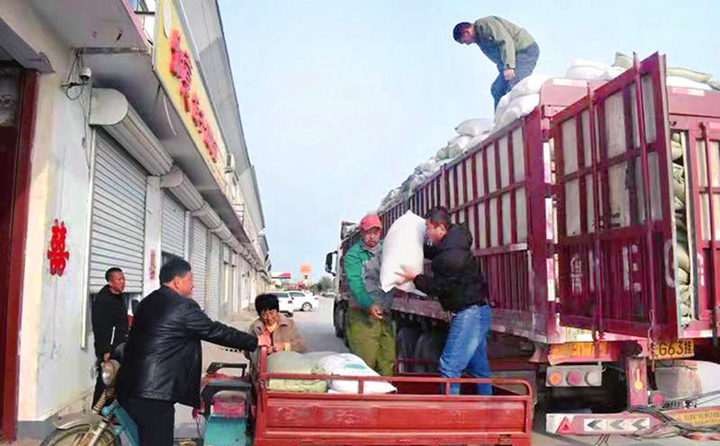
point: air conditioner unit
(230, 163)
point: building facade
(121, 145)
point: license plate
(579, 352)
(684, 348)
(708, 417)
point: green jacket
(500, 40)
(355, 260)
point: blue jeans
(466, 347)
(525, 61)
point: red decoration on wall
(57, 254)
(153, 264)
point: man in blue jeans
(459, 285)
(511, 48)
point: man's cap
(370, 221)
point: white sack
(477, 140)
(522, 106)
(502, 106)
(530, 85)
(677, 81)
(459, 141)
(347, 364)
(403, 246)
(474, 127)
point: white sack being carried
(347, 364)
(403, 246)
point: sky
(340, 100)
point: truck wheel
(346, 322)
(74, 435)
(429, 348)
(339, 320)
(407, 339)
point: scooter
(226, 405)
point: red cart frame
(417, 415)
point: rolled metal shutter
(213, 293)
(198, 260)
(117, 229)
(173, 227)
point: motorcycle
(225, 407)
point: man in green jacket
(510, 47)
(370, 330)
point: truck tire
(429, 348)
(407, 339)
(339, 319)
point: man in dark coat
(109, 321)
(163, 357)
(461, 289)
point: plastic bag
(403, 247)
(294, 363)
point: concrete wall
(55, 371)
(56, 344)
(153, 232)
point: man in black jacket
(109, 321)
(459, 285)
(163, 357)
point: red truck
(611, 314)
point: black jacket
(109, 320)
(163, 357)
(456, 281)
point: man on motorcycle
(163, 358)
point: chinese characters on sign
(57, 255)
(182, 69)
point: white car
(286, 302)
(304, 301)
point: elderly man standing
(511, 48)
(370, 330)
(163, 357)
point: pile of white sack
(469, 134)
(323, 363)
(521, 101)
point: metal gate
(173, 227)
(615, 217)
(117, 230)
(198, 260)
(213, 284)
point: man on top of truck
(510, 47)
(369, 331)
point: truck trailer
(596, 221)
